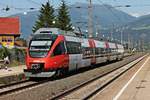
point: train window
(108, 50)
(96, 51)
(99, 50)
(87, 51)
(44, 37)
(59, 49)
(103, 51)
(73, 47)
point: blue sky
(139, 7)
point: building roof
(20, 43)
(9, 26)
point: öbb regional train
(50, 52)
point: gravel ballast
(51, 88)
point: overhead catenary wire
(109, 8)
(7, 7)
(34, 2)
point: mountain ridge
(104, 15)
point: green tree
(63, 20)
(46, 17)
(4, 52)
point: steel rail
(12, 88)
(77, 87)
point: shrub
(4, 52)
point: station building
(9, 30)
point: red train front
(45, 55)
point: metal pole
(121, 35)
(97, 27)
(128, 41)
(97, 30)
(111, 32)
(90, 26)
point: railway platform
(133, 85)
(11, 74)
(11, 71)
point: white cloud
(135, 14)
(139, 14)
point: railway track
(18, 86)
(11, 84)
(15, 88)
(89, 88)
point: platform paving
(12, 71)
(133, 85)
(139, 87)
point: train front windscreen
(40, 45)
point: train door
(92, 45)
(75, 56)
(108, 51)
(74, 61)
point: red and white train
(51, 52)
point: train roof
(55, 31)
(68, 34)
